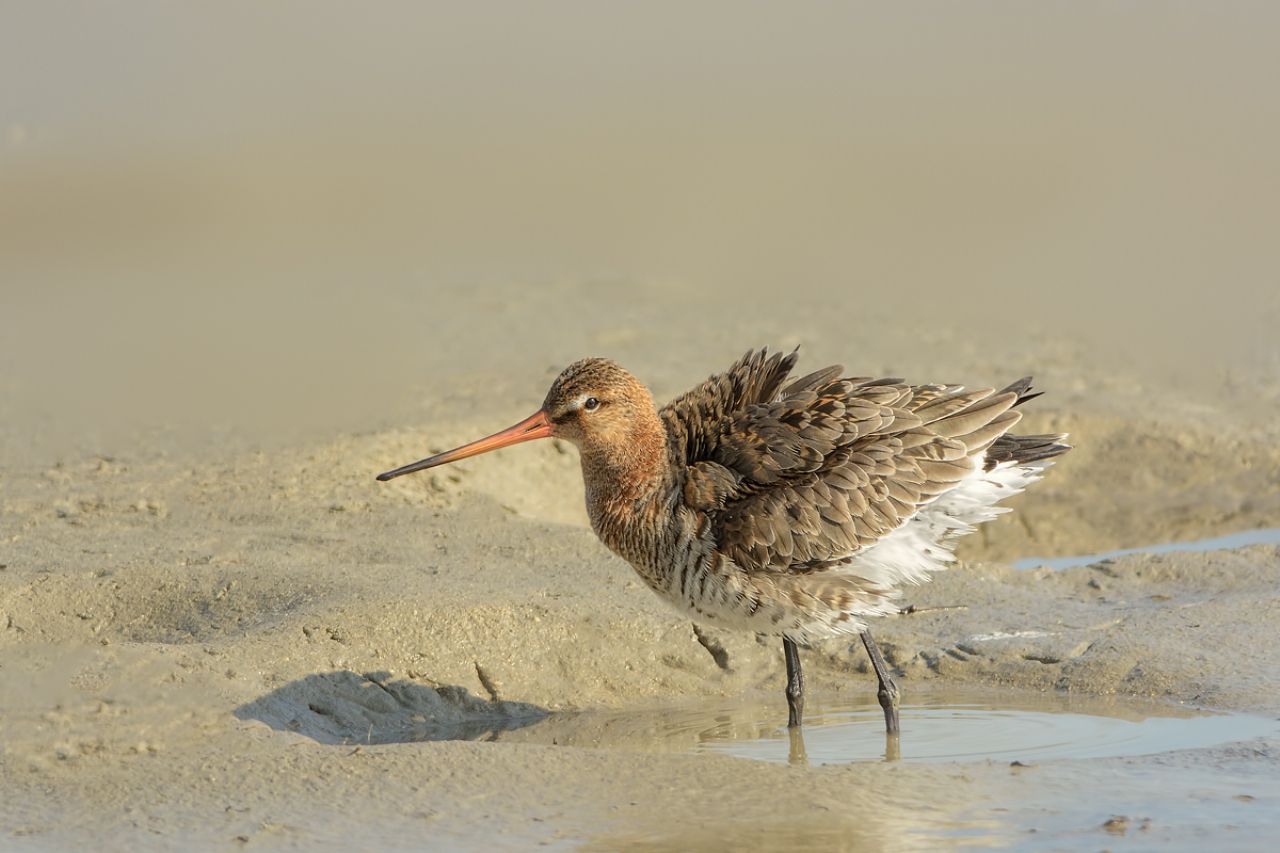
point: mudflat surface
(234, 292)
(256, 648)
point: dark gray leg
(888, 692)
(796, 755)
(892, 748)
(795, 683)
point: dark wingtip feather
(1022, 388)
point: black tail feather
(1024, 449)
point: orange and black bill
(537, 425)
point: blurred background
(247, 224)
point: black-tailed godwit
(796, 509)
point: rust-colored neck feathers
(628, 462)
(611, 418)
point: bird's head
(594, 403)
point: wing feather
(840, 465)
(795, 478)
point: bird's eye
(591, 404)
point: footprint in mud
(346, 707)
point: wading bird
(795, 509)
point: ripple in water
(961, 726)
(976, 733)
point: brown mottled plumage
(793, 509)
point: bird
(797, 508)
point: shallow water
(1076, 777)
(945, 733)
(1264, 536)
(962, 726)
(1114, 773)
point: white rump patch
(925, 543)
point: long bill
(536, 425)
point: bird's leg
(892, 748)
(796, 755)
(888, 692)
(795, 683)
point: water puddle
(1264, 536)
(966, 726)
(946, 733)
(1018, 782)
